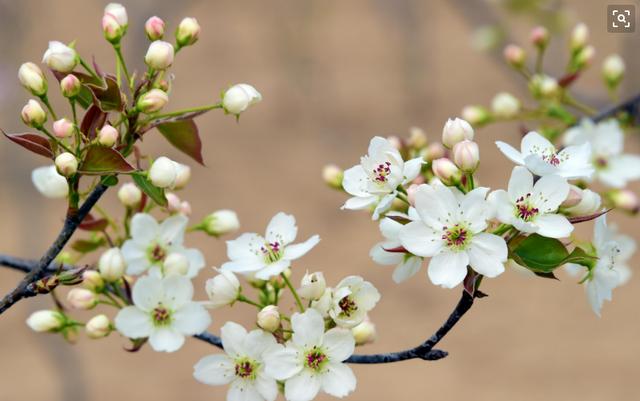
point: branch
(631, 106)
(26, 265)
(71, 223)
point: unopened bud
(364, 333)
(613, 70)
(113, 31)
(395, 142)
(446, 171)
(476, 115)
(98, 326)
(417, 138)
(173, 202)
(584, 57)
(221, 222)
(185, 208)
(269, 318)
(46, 320)
(573, 198)
(411, 193)
(515, 56)
(332, 176)
(624, 199)
(455, 131)
(312, 286)
(70, 86)
(63, 128)
(92, 280)
(589, 202)
(239, 97)
(544, 86)
(539, 37)
(222, 289)
(188, 32)
(33, 115)
(81, 298)
(466, 155)
(130, 195)
(434, 151)
(67, 164)
(118, 12)
(60, 57)
(111, 265)
(32, 78)
(175, 263)
(183, 175)
(163, 172)
(579, 37)
(154, 28)
(505, 105)
(152, 101)
(160, 55)
(108, 136)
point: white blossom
(223, 289)
(49, 182)
(352, 298)
(60, 57)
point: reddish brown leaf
(580, 219)
(93, 120)
(90, 223)
(32, 142)
(107, 95)
(399, 249)
(184, 136)
(100, 160)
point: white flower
(541, 158)
(532, 208)
(151, 243)
(49, 182)
(352, 299)
(589, 203)
(221, 222)
(60, 57)
(222, 289)
(312, 286)
(313, 360)
(164, 312)
(450, 231)
(612, 167)
(269, 255)
(239, 97)
(376, 179)
(407, 264)
(163, 172)
(243, 365)
(323, 304)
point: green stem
(403, 198)
(56, 140)
(123, 64)
(569, 100)
(293, 291)
(89, 69)
(242, 298)
(184, 111)
(45, 100)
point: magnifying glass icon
(622, 18)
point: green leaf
(153, 192)
(183, 135)
(110, 180)
(101, 160)
(87, 245)
(581, 257)
(538, 253)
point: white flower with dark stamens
(613, 168)
(450, 231)
(313, 360)
(270, 255)
(532, 208)
(164, 312)
(376, 179)
(541, 157)
(352, 299)
(151, 243)
(406, 264)
(243, 365)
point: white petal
(448, 269)
(245, 247)
(191, 319)
(133, 323)
(266, 387)
(144, 228)
(626, 166)
(339, 380)
(355, 181)
(308, 328)
(338, 344)
(214, 370)
(282, 363)
(420, 240)
(534, 143)
(435, 205)
(256, 342)
(553, 226)
(538, 166)
(243, 390)
(390, 229)
(475, 209)
(511, 153)
(273, 269)
(172, 229)
(384, 205)
(357, 203)
(302, 387)
(407, 269)
(382, 257)
(166, 340)
(520, 183)
(502, 206)
(178, 291)
(196, 261)
(549, 192)
(282, 228)
(487, 254)
(148, 293)
(577, 162)
(412, 169)
(295, 251)
(135, 256)
(232, 335)
(243, 266)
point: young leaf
(580, 257)
(32, 142)
(107, 95)
(184, 136)
(93, 120)
(90, 223)
(87, 245)
(538, 253)
(101, 160)
(155, 193)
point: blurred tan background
(333, 74)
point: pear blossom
(376, 179)
(164, 312)
(541, 157)
(450, 231)
(532, 208)
(606, 138)
(60, 57)
(151, 243)
(49, 182)
(313, 360)
(269, 255)
(352, 298)
(242, 366)
(223, 289)
(407, 265)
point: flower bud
(46, 320)
(183, 175)
(579, 37)
(222, 289)
(613, 70)
(573, 198)
(163, 172)
(33, 115)
(539, 37)
(505, 105)
(364, 333)
(67, 164)
(624, 199)
(111, 265)
(185, 208)
(108, 136)
(92, 280)
(175, 263)
(221, 222)
(455, 131)
(466, 155)
(515, 56)
(49, 182)
(312, 286)
(589, 202)
(237, 98)
(160, 55)
(32, 78)
(332, 175)
(118, 12)
(411, 193)
(395, 141)
(81, 298)
(269, 318)
(63, 128)
(130, 195)
(98, 326)
(475, 115)
(173, 202)
(114, 22)
(417, 138)
(152, 101)
(584, 57)
(70, 86)
(60, 57)
(446, 171)
(544, 86)
(154, 28)
(434, 151)
(187, 32)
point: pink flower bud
(514, 55)
(173, 202)
(332, 176)
(446, 171)
(476, 115)
(63, 128)
(588, 202)
(152, 101)
(60, 57)
(434, 151)
(579, 37)
(70, 86)
(573, 198)
(185, 208)
(113, 31)
(108, 136)
(624, 199)
(269, 318)
(67, 164)
(539, 37)
(32, 78)
(187, 32)
(417, 138)
(160, 55)
(411, 193)
(81, 298)
(466, 156)
(33, 115)
(395, 142)
(118, 12)
(154, 28)
(129, 194)
(455, 131)
(98, 326)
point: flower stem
(45, 100)
(242, 298)
(89, 69)
(53, 138)
(293, 291)
(122, 63)
(185, 111)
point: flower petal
(144, 228)
(191, 319)
(553, 226)
(178, 291)
(166, 340)
(338, 344)
(282, 363)
(148, 292)
(420, 240)
(256, 342)
(135, 257)
(535, 144)
(549, 192)
(355, 181)
(302, 387)
(214, 370)
(357, 203)
(266, 387)
(232, 335)
(172, 229)
(132, 322)
(511, 153)
(487, 254)
(295, 251)
(196, 261)
(245, 247)
(448, 269)
(520, 183)
(412, 169)
(273, 269)
(243, 390)
(308, 328)
(382, 257)
(339, 380)
(407, 269)
(282, 228)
